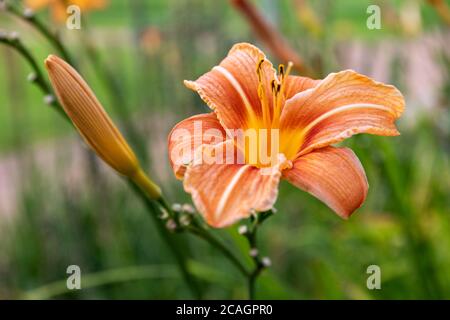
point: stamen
(275, 90)
(279, 94)
(262, 95)
(273, 84)
(281, 70)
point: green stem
(178, 254)
(42, 28)
(259, 266)
(204, 234)
(39, 80)
(200, 231)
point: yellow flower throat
(263, 143)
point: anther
(261, 61)
(258, 70)
(281, 69)
(273, 84)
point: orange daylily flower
(245, 92)
(58, 8)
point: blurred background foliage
(60, 206)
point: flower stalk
(28, 16)
(249, 232)
(36, 77)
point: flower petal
(226, 192)
(341, 105)
(231, 89)
(334, 176)
(188, 135)
(296, 84)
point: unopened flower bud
(266, 262)
(253, 252)
(171, 225)
(164, 214)
(13, 36)
(92, 122)
(185, 220)
(243, 229)
(49, 99)
(188, 208)
(28, 13)
(176, 207)
(32, 77)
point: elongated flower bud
(94, 125)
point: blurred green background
(60, 206)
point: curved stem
(259, 263)
(200, 231)
(42, 28)
(179, 255)
(204, 234)
(39, 80)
